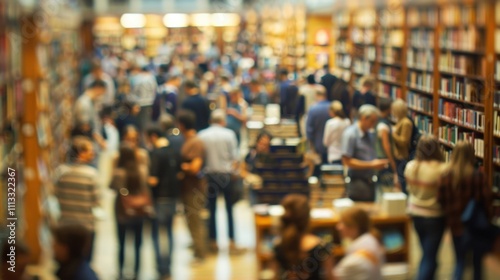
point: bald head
(218, 117)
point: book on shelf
(394, 38)
(363, 36)
(419, 102)
(455, 15)
(496, 158)
(343, 61)
(422, 81)
(422, 59)
(424, 123)
(462, 64)
(371, 53)
(497, 40)
(418, 17)
(496, 123)
(389, 55)
(468, 39)
(497, 69)
(462, 89)
(386, 90)
(496, 99)
(361, 67)
(341, 46)
(389, 73)
(422, 38)
(454, 112)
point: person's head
(191, 87)
(367, 84)
(283, 74)
(82, 150)
(70, 242)
(154, 133)
(166, 122)
(107, 114)
(263, 142)
(254, 86)
(337, 110)
(186, 121)
(96, 89)
(234, 95)
(175, 80)
(428, 149)
(368, 117)
(462, 162)
(218, 117)
(353, 223)
(311, 79)
(294, 225)
(399, 109)
(18, 255)
(131, 136)
(384, 106)
(320, 93)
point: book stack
(454, 112)
(421, 81)
(419, 102)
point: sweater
(401, 136)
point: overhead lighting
(133, 20)
(201, 20)
(176, 20)
(225, 19)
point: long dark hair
(295, 224)
(128, 161)
(428, 149)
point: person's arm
(239, 116)
(403, 140)
(348, 149)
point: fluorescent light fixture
(133, 20)
(176, 20)
(201, 20)
(225, 19)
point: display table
(394, 230)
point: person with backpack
(402, 136)
(166, 98)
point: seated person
(365, 255)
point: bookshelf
(444, 60)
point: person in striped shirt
(76, 187)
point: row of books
(462, 89)
(423, 123)
(422, 81)
(393, 17)
(462, 64)
(454, 15)
(422, 17)
(363, 36)
(496, 123)
(389, 73)
(496, 156)
(390, 55)
(451, 135)
(419, 102)
(497, 40)
(422, 38)
(394, 38)
(342, 19)
(343, 60)
(497, 70)
(386, 90)
(371, 53)
(462, 39)
(361, 67)
(422, 59)
(454, 112)
(496, 100)
(341, 46)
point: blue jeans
(220, 183)
(430, 232)
(401, 166)
(165, 212)
(464, 244)
(133, 226)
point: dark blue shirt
(199, 106)
(316, 119)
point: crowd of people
(169, 133)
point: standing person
(76, 187)
(127, 115)
(98, 74)
(365, 255)
(316, 119)
(298, 246)
(341, 91)
(388, 177)
(283, 84)
(166, 99)
(358, 154)
(257, 95)
(460, 183)
(222, 158)
(423, 177)
(133, 199)
(144, 88)
(224, 88)
(197, 104)
(365, 95)
(236, 113)
(112, 137)
(334, 128)
(401, 135)
(165, 165)
(193, 193)
(307, 97)
(70, 246)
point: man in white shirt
(98, 74)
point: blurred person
(165, 166)
(307, 93)
(110, 64)
(111, 136)
(127, 115)
(257, 95)
(317, 117)
(328, 80)
(76, 187)
(14, 259)
(166, 98)
(70, 247)
(297, 246)
(423, 177)
(98, 74)
(197, 104)
(288, 94)
(365, 95)
(460, 183)
(193, 192)
(143, 93)
(341, 91)
(282, 88)
(402, 136)
(133, 200)
(365, 255)
(236, 113)
(388, 177)
(333, 131)
(172, 133)
(225, 88)
(162, 76)
(221, 159)
(207, 84)
(359, 155)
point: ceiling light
(201, 20)
(176, 20)
(133, 20)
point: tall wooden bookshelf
(441, 59)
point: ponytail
(290, 244)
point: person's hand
(379, 164)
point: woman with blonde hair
(334, 128)
(365, 255)
(423, 178)
(402, 136)
(300, 254)
(460, 183)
